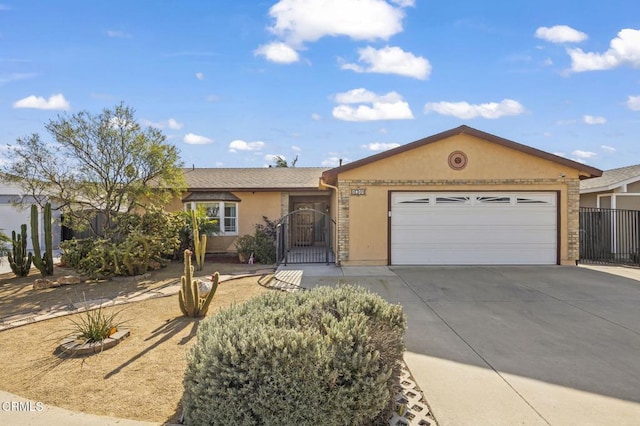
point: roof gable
(611, 179)
(330, 176)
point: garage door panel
(483, 237)
(516, 229)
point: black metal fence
(305, 236)
(610, 236)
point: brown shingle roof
(611, 179)
(330, 176)
(253, 179)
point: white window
(225, 213)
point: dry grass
(141, 378)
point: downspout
(336, 235)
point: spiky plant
(191, 304)
(95, 325)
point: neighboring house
(611, 217)
(13, 216)
(458, 197)
(615, 189)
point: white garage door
(480, 228)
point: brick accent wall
(284, 204)
(343, 220)
(573, 218)
(571, 186)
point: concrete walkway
(516, 345)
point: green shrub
(94, 325)
(74, 250)
(328, 356)
(133, 243)
(261, 244)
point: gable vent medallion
(457, 160)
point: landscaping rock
(42, 283)
(204, 287)
(69, 280)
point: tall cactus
(191, 304)
(199, 241)
(19, 259)
(43, 263)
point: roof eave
(256, 189)
(330, 176)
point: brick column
(343, 220)
(573, 219)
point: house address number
(359, 191)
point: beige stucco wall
(628, 202)
(251, 208)
(634, 187)
(363, 220)
(589, 200)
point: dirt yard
(141, 378)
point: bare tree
(96, 164)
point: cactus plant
(191, 304)
(44, 263)
(199, 241)
(19, 259)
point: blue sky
(232, 83)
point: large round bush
(329, 356)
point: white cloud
(362, 95)
(559, 154)
(404, 3)
(200, 76)
(608, 148)
(295, 148)
(334, 161)
(386, 107)
(378, 111)
(623, 50)
(300, 21)
(174, 124)
(193, 139)
(117, 34)
(633, 103)
(591, 119)
(391, 60)
(380, 146)
(5, 7)
(315, 116)
(560, 34)
(212, 98)
(170, 123)
(465, 110)
(278, 52)
(55, 102)
(583, 155)
(240, 145)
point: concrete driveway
(518, 345)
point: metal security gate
(305, 236)
(610, 236)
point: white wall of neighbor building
(12, 216)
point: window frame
(193, 205)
